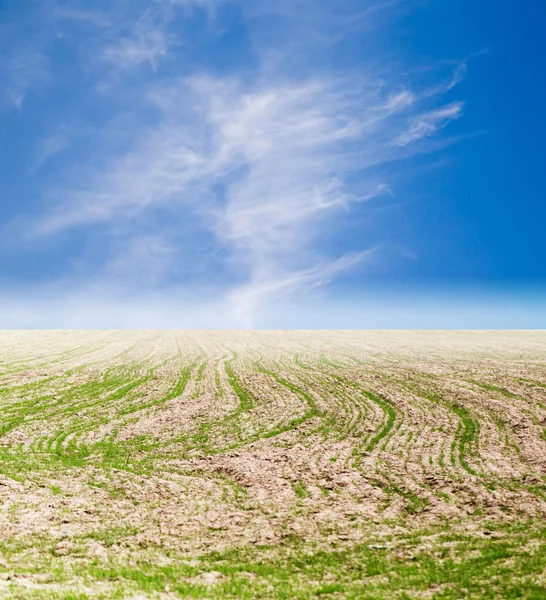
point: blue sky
(282, 163)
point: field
(239, 464)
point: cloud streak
(429, 123)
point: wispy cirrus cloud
(429, 123)
(22, 70)
(148, 44)
(126, 35)
(245, 301)
(246, 172)
(262, 167)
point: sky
(272, 164)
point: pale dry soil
(164, 464)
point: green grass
(246, 400)
(466, 435)
(494, 388)
(440, 562)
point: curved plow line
(416, 503)
(118, 454)
(467, 436)
(104, 403)
(333, 421)
(74, 454)
(355, 411)
(246, 403)
(386, 431)
(292, 424)
(218, 391)
(467, 428)
(388, 409)
(312, 408)
(90, 392)
(245, 399)
(507, 394)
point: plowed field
(152, 464)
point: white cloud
(245, 301)
(428, 123)
(49, 147)
(260, 163)
(149, 37)
(281, 153)
(148, 45)
(22, 69)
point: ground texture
(273, 464)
